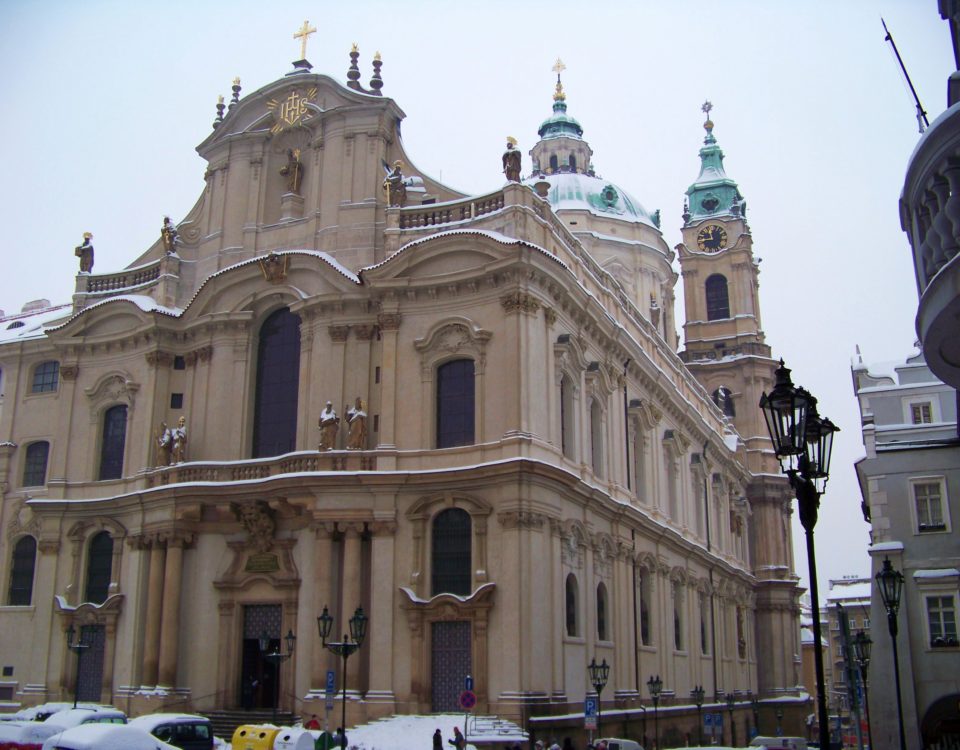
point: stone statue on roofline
(164, 445)
(178, 436)
(511, 160)
(85, 253)
(329, 425)
(357, 419)
(394, 187)
(168, 233)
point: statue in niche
(293, 171)
(357, 419)
(393, 186)
(511, 161)
(178, 439)
(329, 426)
(85, 253)
(164, 445)
(168, 233)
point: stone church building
(521, 475)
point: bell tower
(726, 351)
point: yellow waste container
(254, 737)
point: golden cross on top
(707, 106)
(558, 67)
(303, 34)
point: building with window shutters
(540, 479)
(910, 481)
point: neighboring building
(532, 478)
(910, 481)
(850, 595)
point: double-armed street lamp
(276, 658)
(78, 648)
(803, 443)
(731, 701)
(344, 648)
(599, 674)
(861, 654)
(655, 686)
(697, 695)
(890, 582)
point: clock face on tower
(712, 238)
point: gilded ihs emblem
(290, 111)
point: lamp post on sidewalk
(890, 583)
(731, 701)
(599, 674)
(343, 649)
(803, 444)
(276, 658)
(655, 686)
(697, 694)
(78, 648)
(861, 654)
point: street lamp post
(343, 649)
(803, 443)
(655, 686)
(599, 674)
(861, 654)
(78, 648)
(779, 722)
(890, 582)
(755, 707)
(731, 700)
(697, 694)
(276, 658)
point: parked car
(779, 743)
(614, 743)
(43, 711)
(30, 735)
(186, 731)
(105, 737)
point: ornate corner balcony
(930, 215)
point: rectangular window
(46, 377)
(179, 363)
(942, 619)
(929, 503)
(921, 413)
(176, 400)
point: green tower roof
(712, 194)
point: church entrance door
(90, 668)
(258, 676)
(451, 663)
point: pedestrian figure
(314, 723)
(458, 740)
(438, 740)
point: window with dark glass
(644, 611)
(176, 400)
(677, 621)
(554, 163)
(21, 572)
(566, 416)
(571, 609)
(718, 301)
(114, 440)
(723, 397)
(602, 612)
(179, 363)
(596, 438)
(35, 464)
(278, 385)
(46, 377)
(452, 553)
(99, 568)
(455, 403)
(573, 163)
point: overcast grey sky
(105, 102)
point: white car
(105, 737)
(36, 732)
(615, 743)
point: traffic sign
(590, 713)
(468, 683)
(468, 699)
(331, 689)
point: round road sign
(468, 699)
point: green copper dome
(560, 124)
(712, 194)
(576, 191)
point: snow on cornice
(142, 301)
(33, 323)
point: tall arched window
(643, 584)
(723, 397)
(573, 603)
(113, 442)
(596, 437)
(566, 416)
(554, 163)
(278, 385)
(718, 301)
(99, 567)
(21, 572)
(573, 163)
(602, 613)
(452, 554)
(455, 403)
(704, 623)
(35, 464)
(677, 617)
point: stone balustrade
(130, 279)
(432, 215)
(220, 472)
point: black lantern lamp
(343, 649)
(599, 674)
(697, 695)
(276, 658)
(655, 686)
(78, 647)
(890, 582)
(861, 654)
(803, 443)
(731, 702)
(755, 707)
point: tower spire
(713, 193)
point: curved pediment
(113, 317)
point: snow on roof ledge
(937, 573)
(885, 547)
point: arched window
(677, 617)
(573, 163)
(566, 416)
(113, 442)
(21, 572)
(35, 464)
(602, 612)
(718, 301)
(704, 612)
(452, 555)
(573, 600)
(643, 584)
(99, 568)
(596, 437)
(455, 403)
(723, 397)
(554, 164)
(46, 377)
(278, 385)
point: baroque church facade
(518, 473)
